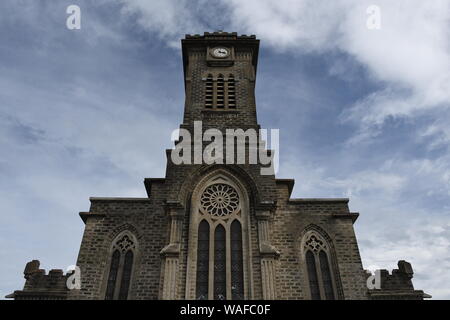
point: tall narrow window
(209, 92)
(121, 267)
(220, 271)
(126, 275)
(203, 261)
(320, 274)
(237, 265)
(312, 276)
(220, 96)
(112, 278)
(326, 276)
(231, 92)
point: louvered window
(220, 92)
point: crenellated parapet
(42, 286)
(396, 285)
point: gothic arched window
(121, 267)
(220, 246)
(320, 276)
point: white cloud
(409, 56)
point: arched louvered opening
(231, 92)
(312, 276)
(126, 275)
(220, 97)
(220, 273)
(112, 278)
(237, 263)
(209, 92)
(202, 261)
(326, 276)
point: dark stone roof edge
(148, 184)
(289, 182)
(318, 200)
(117, 199)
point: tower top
(200, 43)
(220, 35)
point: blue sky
(362, 114)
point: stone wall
(146, 219)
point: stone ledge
(38, 295)
(398, 295)
(351, 215)
(85, 215)
(118, 199)
(318, 200)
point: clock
(220, 52)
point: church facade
(218, 231)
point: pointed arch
(221, 201)
(318, 261)
(122, 263)
(236, 175)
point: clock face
(220, 52)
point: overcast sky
(362, 114)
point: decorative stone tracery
(220, 200)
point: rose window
(220, 200)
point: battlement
(399, 279)
(220, 35)
(42, 286)
(397, 284)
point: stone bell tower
(220, 241)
